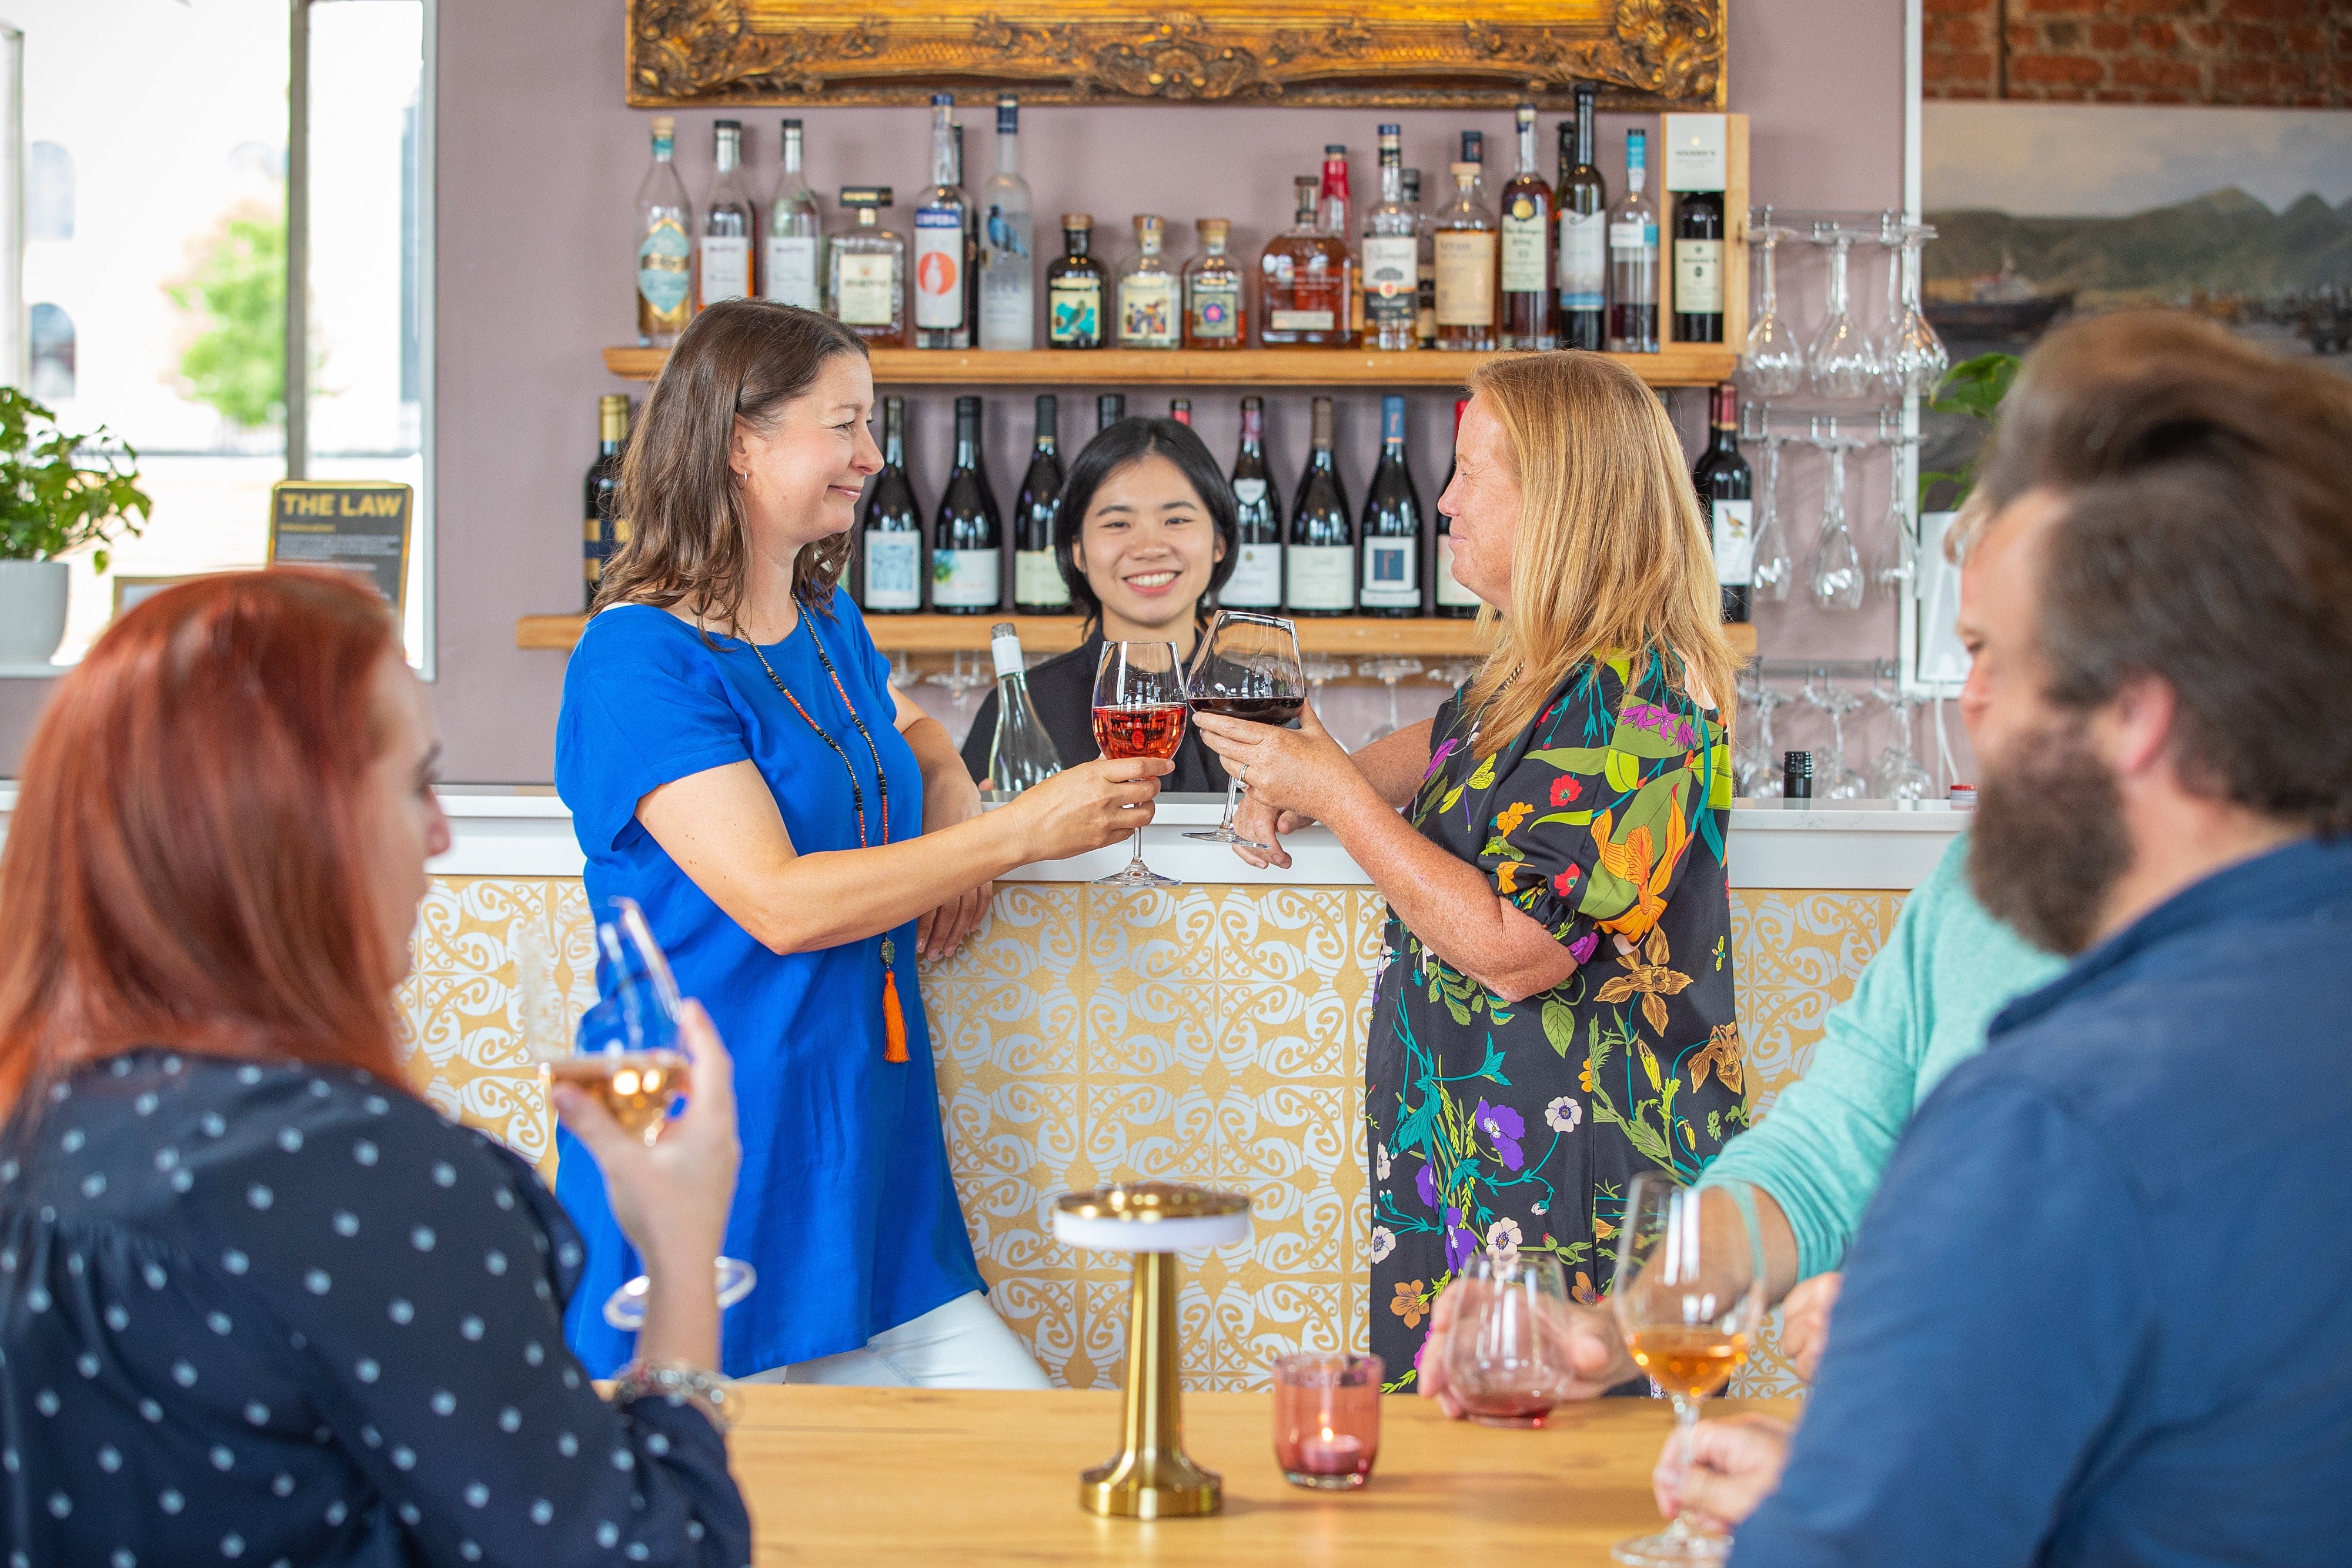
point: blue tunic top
(844, 1202)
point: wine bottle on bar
(1454, 602)
(1391, 525)
(1633, 259)
(890, 541)
(1109, 409)
(1321, 560)
(601, 535)
(1023, 753)
(1726, 488)
(1037, 585)
(968, 539)
(1583, 205)
(1257, 580)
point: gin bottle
(728, 224)
(1633, 259)
(795, 256)
(664, 245)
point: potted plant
(57, 493)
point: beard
(2048, 843)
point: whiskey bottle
(1074, 289)
(1391, 524)
(600, 536)
(728, 223)
(1305, 279)
(968, 539)
(1424, 239)
(1465, 265)
(1149, 293)
(890, 541)
(941, 219)
(664, 245)
(1038, 587)
(1634, 260)
(1109, 409)
(1583, 205)
(1454, 602)
(1526, 245)
(1389, 255)
(1257, 580)
(1008, 285)
(1321, 560)
(1215, 314)
(865, 271)
(795, 258)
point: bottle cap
(1474, 146)
(1465, 170)
(865, 196)
(1393, 131)
(665, 125)
(791, 125)
(1962, 796)
(1335, 149)
(1213, 228)
(1525, 114)
(1797, 775)
(1005, 647)
(1077, 220)
(942, 100)
(734, 125)
(1147, 221)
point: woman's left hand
(939, 934)
(1302, 770)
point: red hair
(185, 865)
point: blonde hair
(1611, 555)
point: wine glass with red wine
(1505, 1359)
(1138, 712)
(1247, 667)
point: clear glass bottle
(1022, 753)
(1149, 311)
(1525, 245)
(1425, 235)
(664, 245)
(1388, 258)
(1216, 315)
(865, 271)
(795, 258)
(1075, 291)
(941, 219)
(1582, 203)
(1633, 259)
(1008, 277)
(1465, 266)
(1305, 279)
(728, 222)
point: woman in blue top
(736, 761)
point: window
(49, 192)
(50, 339)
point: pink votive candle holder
(1326, 1418)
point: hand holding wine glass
(1246, 668)
(1138, 712)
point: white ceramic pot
(32, 610)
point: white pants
(963, 1344)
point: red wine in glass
(1257, 710)
(1153, 731)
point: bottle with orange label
(942, 319)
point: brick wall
(2276, 52)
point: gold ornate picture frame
(1645, 54)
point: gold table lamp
(1152, 1477)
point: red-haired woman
(257, 1300)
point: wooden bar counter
(874, 1475)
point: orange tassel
(894, 1020)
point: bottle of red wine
(1453, 601)
(1320, 561)
(890, 541)
(1109, 409)
(1037, 585)
(1582, 203)
(1726, 489)
(600, 537)
(1257, 580)
(968, 538)
(1698, 267)
(1392, 523)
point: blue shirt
(844, 1202)
(2099, 1311)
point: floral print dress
(1520, 1124)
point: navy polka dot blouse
(284, 1314)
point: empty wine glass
(1138, 712)
(1452, 673)
(1841, 360)
(1502, 1362)
(1321, 669)
(1897, 774)
(902, 670)
(1245, 668)
(1773, 362)
(1772, 571)
(1836, 580)
(961, 679)
(1758, 776)
(1389, 672)
(1898, 547)
(1689, 1297)
(1841, 782)
(1912, 359)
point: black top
(284, 1314)
(1063, 688)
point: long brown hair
(742, 358)
(1611, 555)
(185, 866)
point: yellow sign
(358, 525)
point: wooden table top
(872, 1475)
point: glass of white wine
(1689, 1297)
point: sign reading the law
(359, 525)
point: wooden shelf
(1678, 365)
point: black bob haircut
(1111, 450)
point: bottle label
(1465, 279)
(1698, 277)
(1583, 261)
(1450, 593)
(1216, 307)
(864, 289)
(892, 556)
(1424, 320)
(939, 267)
(1301, 320)
(966, 578)
(1735, 543)
(1523, 243)
(1321, 577)
(1256, 581)
(1147, 312)
(1005, 653)
(1391, 277)
(1074, 311)
(792, 271)
(726, 268)
(1249, 492)
(661, 266)
(1390, 580)
(1634, 233)
(1038, 579)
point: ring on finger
(1241, 773)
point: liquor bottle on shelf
(1389, 255)
(1694, 174)
(1726, 490)
(1527, 310)
(1305, 277)
(1583, 205)
(890, 539)
(728, 223)
(1109, 409)
(1037, 585)
(941, 219)
(1424, 239)
(865, 271)
(971, 242)
(1633, 259)
(601, 535)
(1023, 753)
(1180, 409)
(795, 249)
(1466, 262)
(1150, 313)
(1216, 314)
(1320, 561)
(1452, 601)
(664, 245)
(1257, 580)
(1391, 524)
(968, 539)
(1008, 282)
(1074, 289)
(1335, 216)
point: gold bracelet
(677, 1382)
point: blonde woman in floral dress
(1555, 1011)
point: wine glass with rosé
(1138, 712)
